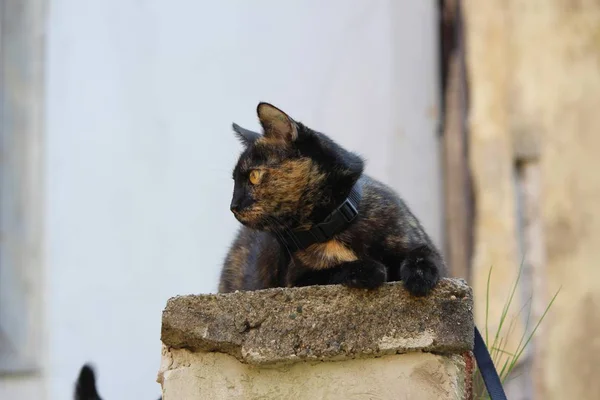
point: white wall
(140, 98)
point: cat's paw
(361, 275)
(419, 273)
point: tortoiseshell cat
(291, 179)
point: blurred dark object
(458, 195)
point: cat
(85, 386)
(310, 216)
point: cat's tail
(85, 388)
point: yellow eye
(255, 176)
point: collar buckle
(348, 210)
(336, 222)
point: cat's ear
(246, 136)
(276, 123)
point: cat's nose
(239, 203)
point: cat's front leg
(421, 269)
(363, 274)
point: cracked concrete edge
(321, 323)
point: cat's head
(290, 176)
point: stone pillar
(320, 342)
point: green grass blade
(487, 305)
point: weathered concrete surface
(320, 342)
(277, 326)
(421, 376)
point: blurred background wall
(534, 136)
(117, 154)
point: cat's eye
(255, 176)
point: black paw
(419, 272)
(361, 275)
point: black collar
(335, 223)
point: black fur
(387, 241)
(244, 135)
(85, 387)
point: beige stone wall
(567, 64)
(491, 163)
(534, 70)
(424, 376)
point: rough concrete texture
(276, 326)
(421, 376)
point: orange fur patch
(284, 186)
(326, 255)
